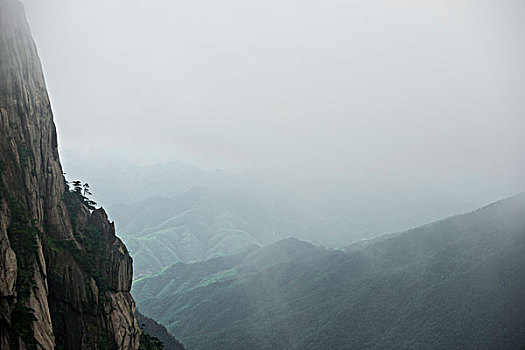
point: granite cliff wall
(64, 275)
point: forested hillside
(155, 336)
(454, 284)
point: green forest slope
(455, 284)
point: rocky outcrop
(64, 275)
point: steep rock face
(64, 275)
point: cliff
(64, 275)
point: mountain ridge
(456, 283)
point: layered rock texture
(64, 275)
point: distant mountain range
(174, 212)
(115, 181)
(204, 223)
(455, 284)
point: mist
(262, 174)
(354, 94)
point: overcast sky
(423, 90)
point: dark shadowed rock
(64, 275)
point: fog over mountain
(278, 174)
(304, 93)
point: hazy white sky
(429, 91)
